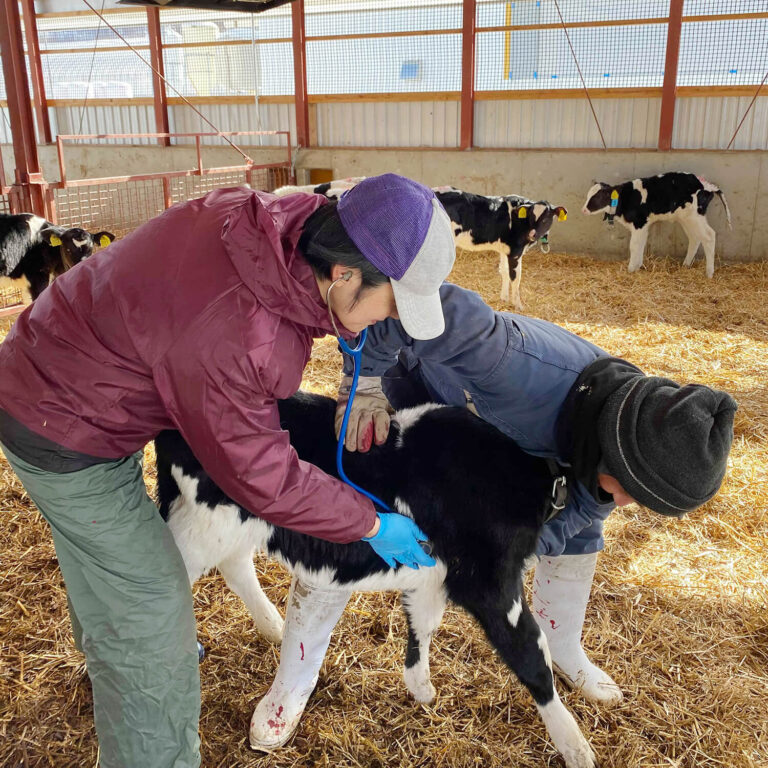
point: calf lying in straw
(478, 497)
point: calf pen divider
(119, 204)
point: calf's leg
(637, 241)
(694, 240)
(506, 283)
(423, 610)
(708, 237)
(310, 617)
(523, 647)
(517, 302)
(240, 574)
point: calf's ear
(562, 213)
(51, 236)
(103, 238)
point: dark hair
(325, 243)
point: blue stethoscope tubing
(355, 353)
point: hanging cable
(751, 104)
(586, 90)
(256, 75)
(90, 73)
(183, 98)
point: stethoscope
(356, 354)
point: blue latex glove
(397, 541)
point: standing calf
(508, 225)
(478, 497)
(34, 252)
(676, 196)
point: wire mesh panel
(730, 51)
(5, 115)
(190, 187)
(617, 44)
(82, 58)
(215, 53)
(406, 48)
(116, 207)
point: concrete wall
(91, 161)
(560, 176)
(563, 177)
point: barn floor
(679, 615)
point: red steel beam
(300, 73)
(669, 89)
(158, 84)
(468, 75)
(36, 71)
(28, 170)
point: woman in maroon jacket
(200, 321)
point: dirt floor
(679, 615)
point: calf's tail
(720, 194)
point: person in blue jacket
(623, 437)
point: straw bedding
(678, 615)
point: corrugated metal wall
(5, 126)
(561, 123)
(709, 123)
(235, 117)
(700, 123)
(388, 124)
(106, 119)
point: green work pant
(131, 604)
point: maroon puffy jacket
(199, 320)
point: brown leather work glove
(369, 419)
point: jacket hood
(261, 237)
(577, 424)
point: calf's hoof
(419, 687)
(272, 630)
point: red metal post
(20, 108)
(36, 71)
(300, 73)
(669, 93)
(158, 84)
(468, 75)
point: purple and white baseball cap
(401, 228)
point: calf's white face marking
(593, 190)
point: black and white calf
(677, 196)
(34, 252)
(478, 497)
(331, 189)
(509, 225)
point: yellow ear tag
(562, 216)
(522, 213)
(614, 195)
(55, 240)
(104, 241)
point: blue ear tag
(614, 199)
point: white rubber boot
(561, 587)
(310, 617)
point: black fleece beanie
(667, 445)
